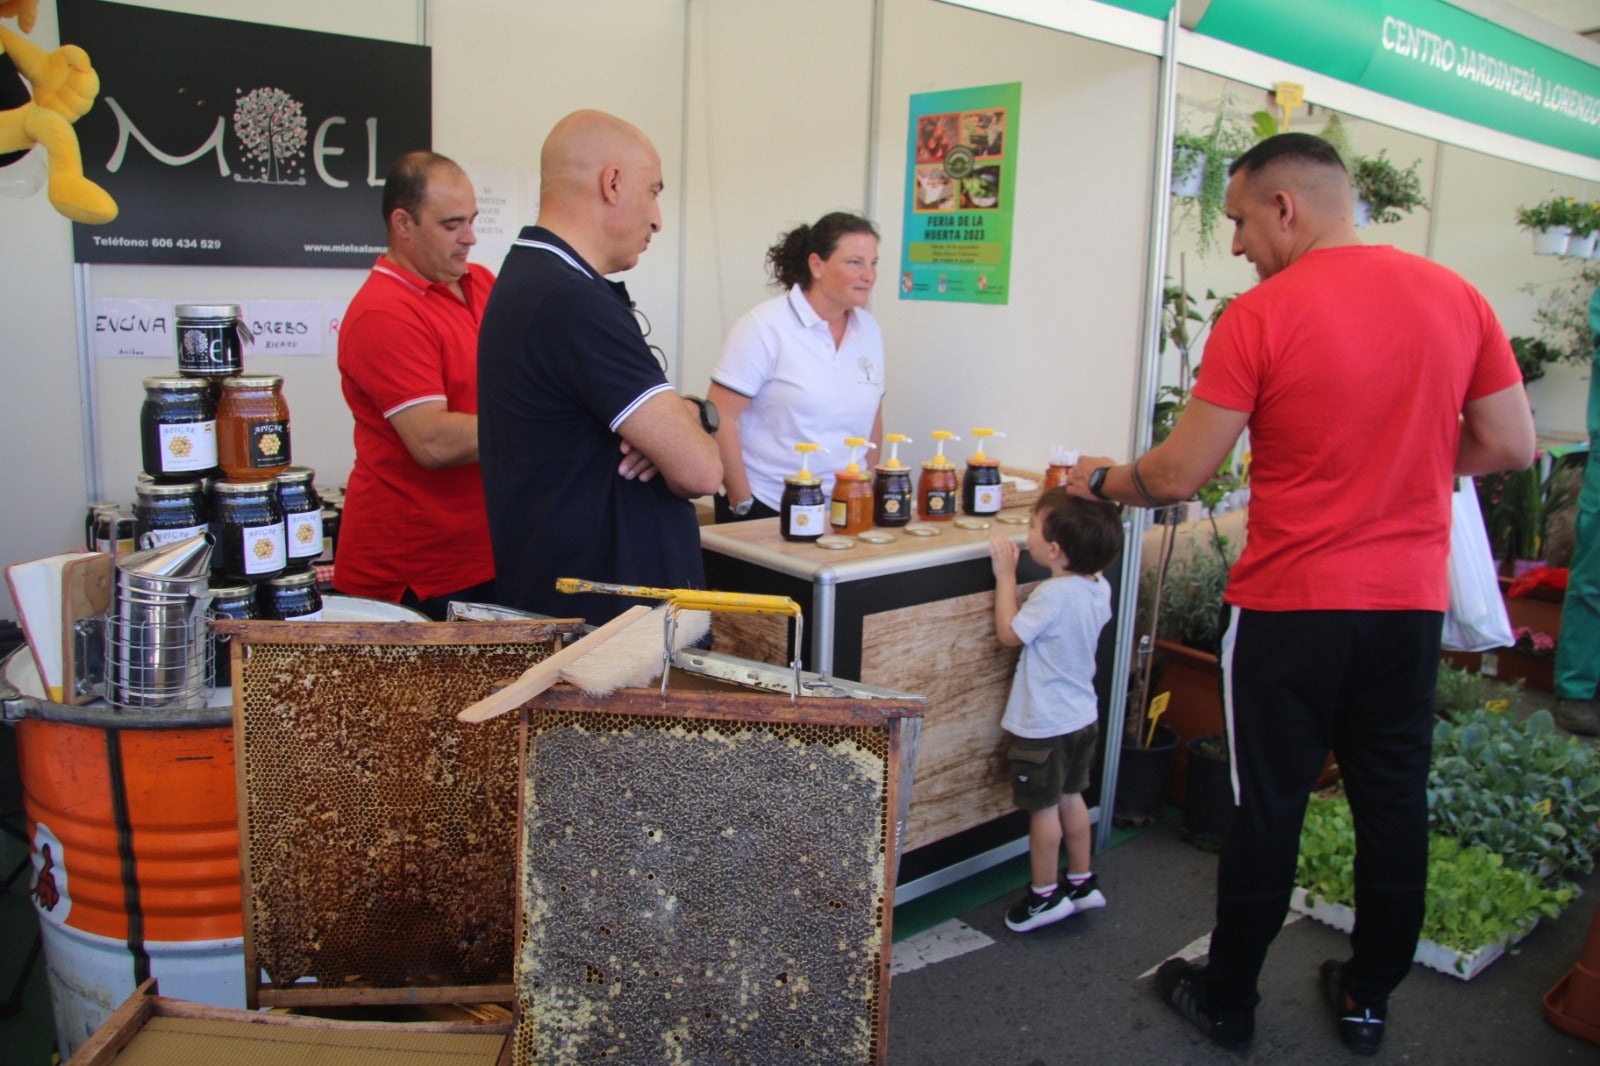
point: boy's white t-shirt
(1059, 626)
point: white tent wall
(1060, 363)
(778, 107)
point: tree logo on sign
(271, 126)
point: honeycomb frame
(377, 834)
(706, 876)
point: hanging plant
(1223, 142)
(1387, 189)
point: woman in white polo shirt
(803, 366)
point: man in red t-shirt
(1367, 378)
(414, 529)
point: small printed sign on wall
(283, 327)
(131, 329)
(332, 314)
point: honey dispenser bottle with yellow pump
(980, 487)
(852, 491)
(937, 487)
(803, 511)
(891, 486)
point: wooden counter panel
(948, 653)
(762, 637)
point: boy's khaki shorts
(1043, 769)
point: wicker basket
(1011, 496)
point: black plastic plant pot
(1142, 777)
(1208, 793)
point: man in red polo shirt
(414, 529)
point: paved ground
(1073, 992)
(1076, 991)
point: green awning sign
(1431, 54)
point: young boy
(1053, 714)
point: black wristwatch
(1097, 481)
(709, 419)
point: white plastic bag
(1477, 619)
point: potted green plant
(1585, 224)
(1187, 635)
(1477, 903)
(1208, 806)
(1387, 190)
(1518, 788)
(1550, 222)
(1533, 355)
(1563, 313)
(1219, 145)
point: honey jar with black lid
(178, 429)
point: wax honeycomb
(702, 891)
(381, 831)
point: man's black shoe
(1182, 984)
(1361, 1028)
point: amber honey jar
(851, 510)
(1062, 460)
(252, 427)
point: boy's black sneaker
(1034, 910)
(1182, 985)
(1361, 1028)
(1085, 896)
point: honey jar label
(986, 499)
(269, 444)
(839, 515)
(305, 534)
(187, 446)
(158, 537)
(809, 521)
(939, 504)
(264, 549)
(314, 616)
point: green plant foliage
(1191, 595)
(1224, 140)
(1556, 211)
(1521, 507)
(1532, 356)
(1388, 189)
(1474, 897)
(1458, 692)
(1563, 313)
(1520, 789)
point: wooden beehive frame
(558, 927)
(131, 1019)
(377, 704)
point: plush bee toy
(41, 95)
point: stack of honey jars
(217, 457)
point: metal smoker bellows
(157, 654)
